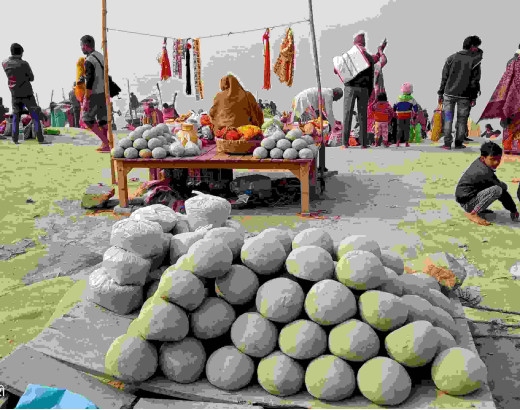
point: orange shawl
(234, 106)
(284, 67)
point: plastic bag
(43, 397)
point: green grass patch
(257, 223)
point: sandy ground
(366, 204)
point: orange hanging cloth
(284, 67)
(267, 61)
(166, 71)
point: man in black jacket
(479, 187)
(359, 89)
(460, 86)
(20, 76)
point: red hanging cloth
(166, 71)
(267, 61)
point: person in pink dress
(382, 113)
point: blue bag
(43, 397)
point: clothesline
(210, 36)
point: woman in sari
(505, 104)
(234, 106)
(379, 87)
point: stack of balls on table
(281, 310)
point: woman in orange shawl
(234, 106)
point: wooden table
(303, 169)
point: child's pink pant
(381, 130)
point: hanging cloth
(284, 67)
(166, 71)
(267, 61)
(188, 70)
(179, 57)
(175, 68)
(199, 90)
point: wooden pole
(52, 94)
(317, 66)
(107, 90)
(160, 95)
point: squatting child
(479, 187)
(383, 114)
(405, 108)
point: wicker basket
(237, 147)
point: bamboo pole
(107, 90)
(52, 94)
(317, 66)
(160, 95)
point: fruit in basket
(306, 153)
(125, 143)
(280, 375)
(212, 319)
(140, 144)
(209, 259)
(383, 311)
(263, 255)
(160, 320)
(184, 361)
(131, 359)
(458, 371)
(302, 340)
(118, 152)
(393, 261)
(283, 144)
(229, 369)
(358, 243)
(280, 300)
(284, 236)
(330, 378)
(329, 302)
(177, 149)
(131, 153)
(154, 143)
(145, 153)
(159, 153)
(299, 144)
(260, 153)
(314, 237)
(414, 344)
(182, 288)
(310, 263)
(254, 335)
(290, 153)
(361, 271)
(384, 381)
(354, 341)
(276, 153)
(238, 286)
(268, 143)
(294, 134)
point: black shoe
(468, 140)
(44, 142)
(460, 146)
(487, 211)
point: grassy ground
(492, 249)
(51, 173)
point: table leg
(122, 186)
(305, 191)
(113, 171)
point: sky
(421, 35)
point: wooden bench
(303, 169)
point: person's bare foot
(477, 219)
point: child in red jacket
(383, 114)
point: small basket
(237, 147)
